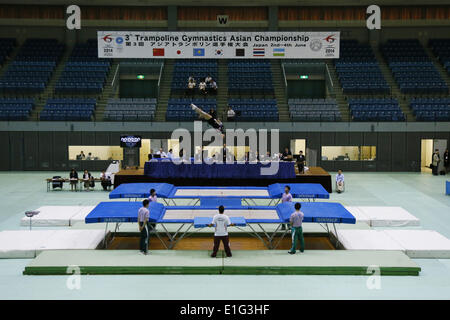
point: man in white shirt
(230, 114)
(213, 87)
(202, 87)
(339, 181)
(221, 222)
(162, 153)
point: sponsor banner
(216, 45)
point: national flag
(259, 52)
(178, 52)
(278, 52)
(240, 52)
(219, 52)
(158, 52)
(199, 52)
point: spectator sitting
(170, 154)
(191, 87)
(81, 156)
(89, 156)
(231, 115)
(339, 182)
(208, 79)
(202, 87)
(213, 87)
(287, 155)
(105, 181)
(213, 113)
(92, 182)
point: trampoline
(193, 218)
(169, 193)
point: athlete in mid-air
(212, 121)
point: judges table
(237, 170)
(62, 181)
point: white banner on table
(217, 45)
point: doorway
(426, 153)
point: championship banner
(217, 45)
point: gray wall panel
(60, 151)
(4, 146)
(398, 151)
(46, 150)
(16, 157)
(31, 150)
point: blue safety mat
(319, 212)
(447, 187)
(165, 170)
(142, 190)
(299, 190)
(123, 212)
(202, 222)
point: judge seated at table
(286, 155)
(73, 177)
(161, 153)
(86, 179)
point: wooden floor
(206, 243)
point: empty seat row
(412, 68)
(374, 109)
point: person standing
(446, 161)
(339, 181)
(436, 161)
(301, 163)
(296, 221)
(143, 218)
(221, 222)
(286, 197)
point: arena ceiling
(230, 3)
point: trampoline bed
(169, 191)
(193, 217)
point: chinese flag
(158, 52)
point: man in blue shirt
(296, 228)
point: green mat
(276, 262)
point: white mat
(415, 243)
(72, 239)
(422, 243)
(248, 214)
(222, 192)
(20, 244)
(52, 216)
(367, 240)
(384, 216)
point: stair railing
(160, 76)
